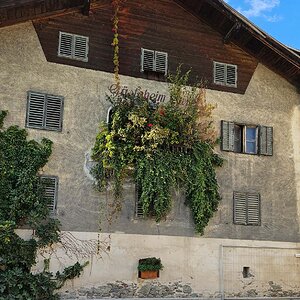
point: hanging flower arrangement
(167, 145)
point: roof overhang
(236, 29)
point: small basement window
(225, 74)
(246, 272)
(73, 46)
(154, 61)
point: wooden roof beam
(232, 32)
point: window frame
(230, 141)
(73, 49)
(44, 126)
(225, 83)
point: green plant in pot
(149, 267)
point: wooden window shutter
(231, 75)
(50, 184)
(161, 62)
(227, 136)
(36, 105)
(253, 209)
(266, 140)
(219, 73)
(147, 60)
(65, 47)
(81, 47)
(246, 208)
(138, 204)
(240, 208)
(54, 111)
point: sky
(278, 18)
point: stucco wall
(269, 100)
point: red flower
(150, 125)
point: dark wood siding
(158, 25)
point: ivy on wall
(22, 203)
(162, 146)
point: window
(50, 184)
(138, 204)
(225, 74)
(44, 111)
(73, 46)
(251, 139)
(246, 208)
(154, 61)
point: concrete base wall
(193, 267)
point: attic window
(73, 46)
(225, 74)
(154, 61)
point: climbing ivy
(23, 205)
(162, 146)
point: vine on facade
(23, 203)
(162, 146)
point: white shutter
(138, 203)
(50, 191)
(240, 208)
(81, 47)
(219, 73)
(35, 110)
(253, 209)
(147, 60)
(65, 47)
(53, 116)
(161, 62)
(231, 75)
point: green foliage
(22, 203)
(150, 264)
(167, 145)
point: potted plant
(149, 267)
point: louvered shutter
(219, 73)
(240, 208)
(36, 110)
(253, 209)
(65, 47)
(81, 47)
(50, 191)
(266, 140)
(161, 62)
(231, 75)
(227, 136)
(147, 60)
(53, 115)
(138, 204)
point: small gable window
(154, 61)
(225, 74)
(73, 46)
(251, 139)
(50, 186)
(246, 208)
(44, 111)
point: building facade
(56, 71)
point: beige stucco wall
(269, 100)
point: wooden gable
(157, 25)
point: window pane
(250, 133)
(238, 138)
(251, 147)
